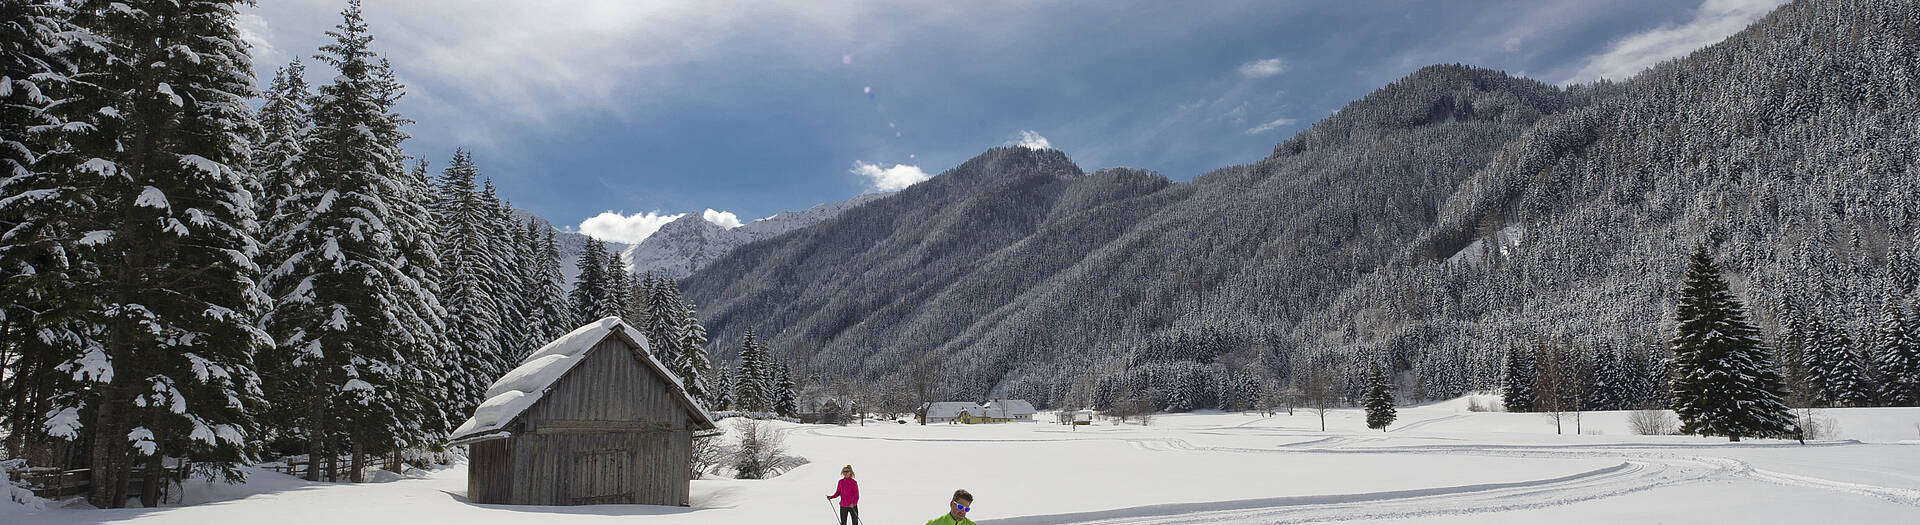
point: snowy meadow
(1442, 464)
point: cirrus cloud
(1264, 68)
(1270, 126)
(1712, 22)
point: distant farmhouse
(590, 418)
(962, 412)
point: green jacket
(947, 519)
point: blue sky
(745, 109)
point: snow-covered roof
(514, 393)
(1010, 407)
(951, 409)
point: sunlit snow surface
(1439, 464)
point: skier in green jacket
(956, 510)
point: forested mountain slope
(1436, 224)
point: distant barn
(590, 418)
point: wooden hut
(590, 418)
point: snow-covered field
(1440, 464)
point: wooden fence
(55, 483)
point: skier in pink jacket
(849, 494)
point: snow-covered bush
(1653, 423)
(16, 499)
(769, 416)
(1812, 426)
(1480, 404)
(761, 452)
(708, 453)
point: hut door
(600, 476)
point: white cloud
(1238, 113)
(539, 63)
(1511, 45)
(258, 35)
(630, 229)
(1031, 140)
(1263, 128)
(1713, 21)
(725, 219)
(1264, 68)
(895, 177)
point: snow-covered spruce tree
(1832, 366)
(752, 390)
(36, 39)
(618, 294)
(1897, 358)
(554, 316)
(667, 318)
(697, 360)
(642, 293)
(1517, 394)
(285, 120)
(657, 312)
(150, 197)
(355, 312)
(1606, 387)
(531, 333)
(589, 295)
(420, 421)
(1724, 383)
(1379, 401)
(468, 262)
(508, 278)
(785, 400)
(722, 389)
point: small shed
(590, 418)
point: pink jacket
(848, 492)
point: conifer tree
(723, 385)
(1607, 384)
(532, 333)
(554, 315)
(618, 294)
(36, 39)
(148, 207)
(1832, 366)
(285, 120)
(658, 314)
(586, 297)
(1379, 400)
(469, 261)
(785, 400)
(356, 314)
(1724, 383)
(507, 278)
(696, 360)
(1518, 393)
(752, 391)
(419, 419)
(1898, 357)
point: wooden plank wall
(490, 475)
(610, 431)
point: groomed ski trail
(1642, 467)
